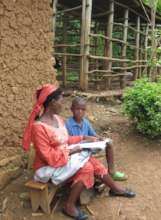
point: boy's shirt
(74, 129)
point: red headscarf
(42, 94)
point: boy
(79, 125)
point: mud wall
(25, 62)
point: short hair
(78, 101)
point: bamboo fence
(87, 48)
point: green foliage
(142, 103)
(154, 4)
(154, 58)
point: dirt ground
(137, 156)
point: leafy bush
(142, 103)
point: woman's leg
(101, 171)
(83, 178)
(70, 206)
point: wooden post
(137, 48)
(82, 44)
(64, 67)
(96, 44)
(96, 76)
(145, 46)
(87, 41)
(54, 20)
(85, 34)
(153, 43)
(124, 46)
(108, 43)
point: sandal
(119, 176)
(78, 216)
(126, 193)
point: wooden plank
(107, 38)
(137, 31)
(68, 54)
(115, 75)
(70, 9)
(36, 185)
(52, 192)
(44, 201)
(35, 199)
(67, 45)
(100, 14)
(116, 59)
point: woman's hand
(76, 149)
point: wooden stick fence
(92, 61)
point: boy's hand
(100, 138)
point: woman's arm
(52, 156)
(74, 139)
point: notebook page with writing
(101, 145)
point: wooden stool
(41, 195)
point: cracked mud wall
(25, 62)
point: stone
(26, 204)
(4, 204)
(86, 196)
(24, 196)
(8, 174)
(14, 159)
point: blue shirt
(74, 129)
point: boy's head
(78, 108)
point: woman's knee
(88, 168)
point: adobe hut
(101, 41)
(25, 64)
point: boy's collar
(74, 122)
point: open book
(100, 145)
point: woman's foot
(77, 214)
(124, 193)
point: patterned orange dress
(51, 147)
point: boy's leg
(110, 159)
(116, 175)
(107, 179)
(116, 190)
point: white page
(92, 145)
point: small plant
(142, 103)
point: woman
(54, 160)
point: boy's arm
(91, 131)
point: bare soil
(138, 156)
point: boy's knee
(109, 144)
